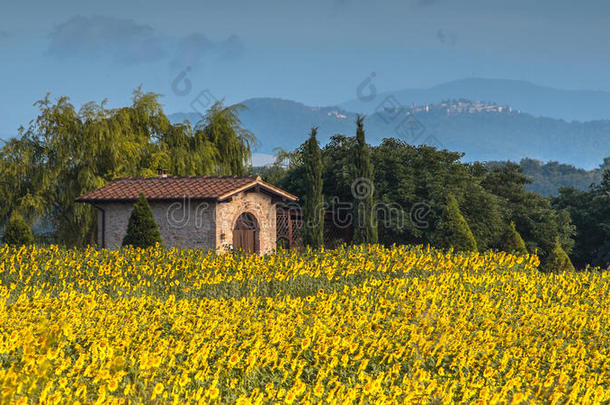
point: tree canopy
(410, 178)
(590, 213)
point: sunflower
(234, 359)
(184, 379)
(305, 343)
(113, 385)
(213, 392)
(158, 390)
(290, 397)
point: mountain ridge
(538, 100)
(483, 131)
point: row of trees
(65, 153)
(468, 206)
(365, 224)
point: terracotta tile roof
(178, 188)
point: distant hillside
(547, 178)
(581, 105)
(285, 123)
(485, 132)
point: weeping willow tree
(18, 160)
(222, 127)
(188, 152)
(65, 153)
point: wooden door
(245, 233)
(244, 239)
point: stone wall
(193, 224)
(183, 224)
(257, 204)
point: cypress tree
(453, 231)
(511, 241)
(142, 229)
(313, 210)
(558, 260)
(18, 232)
(365, 229)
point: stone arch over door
(246, 233)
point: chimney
(162, 172)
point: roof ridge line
(249, 176)
(162, 188)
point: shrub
(558, 260)
(453, 231)
(18, 232)
(511, 241)
(142, 229)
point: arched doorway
(245, 233)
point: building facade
(215, 212)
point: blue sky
(316, 52)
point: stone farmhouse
(214, 212)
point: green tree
(339, 168)
(289, 171)
(313, 210)
(557, 260)
(142, 229)
(453, 230)
(511, 241)
(410, 179)
(483, 214)
(223, 128)
(539, 223)
(276, 172)
(365, 225)
(406, 177)
(188, 152)
(590, 212)
(18, 232)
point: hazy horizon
(316, 53)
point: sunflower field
(371, 324)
